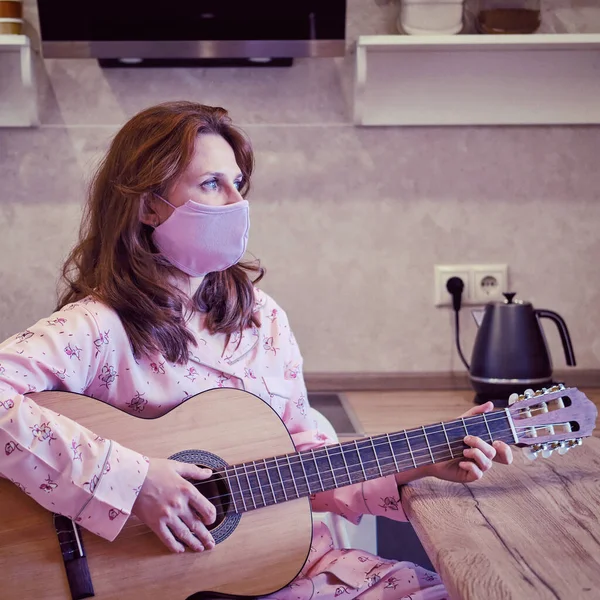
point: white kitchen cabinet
(477, 79)
(18, 95)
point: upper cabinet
(477, 79)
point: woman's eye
(238, 185)
(211, 184)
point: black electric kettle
(510, 353)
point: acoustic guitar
(261, 487)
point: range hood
(192, 29)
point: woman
(158, 308)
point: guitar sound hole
(215, 490)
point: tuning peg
(529, 393)
(530, 453)
(547, 452)
(512, 399)
(562, 448)
(557, 388)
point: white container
(430, 17)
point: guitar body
(259, 552)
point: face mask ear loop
(163, 199)
(156, 222)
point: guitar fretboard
(278, 479)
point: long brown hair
(115, 259)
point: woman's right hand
(173, 508)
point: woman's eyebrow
(219, 174)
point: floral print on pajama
(66, 468)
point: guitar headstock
(552, 419)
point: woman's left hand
(477, 459)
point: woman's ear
(148, 210)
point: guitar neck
(278, 479)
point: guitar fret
(465, 425)
(428, 444)
(331, 466)
(299, 475)
(343, 455)
(487, 427)
(305, 473)
(249, 485)
(240, 487)
(260, 487)
(318, 473)
(270, 482)
(512, 426)
(281, 478)
(287, 456)
(376, 458)
(393, 453)
(362, 466)
(235, 506)
(447, 440)
(410, 449)
(341, 468)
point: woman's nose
(233, 194)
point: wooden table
(527, 531)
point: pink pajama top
(83, 348)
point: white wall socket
(483, 283)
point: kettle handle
(565, 338)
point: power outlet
(489, 282)
(442, 273)
(483, 283)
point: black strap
(73, 553)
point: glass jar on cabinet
(508, 16)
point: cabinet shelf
(477, 79)
(18, 107)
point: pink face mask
(200, 239)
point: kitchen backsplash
(348, 221)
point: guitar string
(382, 440)
(147, 531)
(142, 525)
(460, 424)
(393, 437)
(402, 459)
(335, 451)
(229, 512)
(494, 416)
(415, 454)
(329, 475)
(385, 462)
